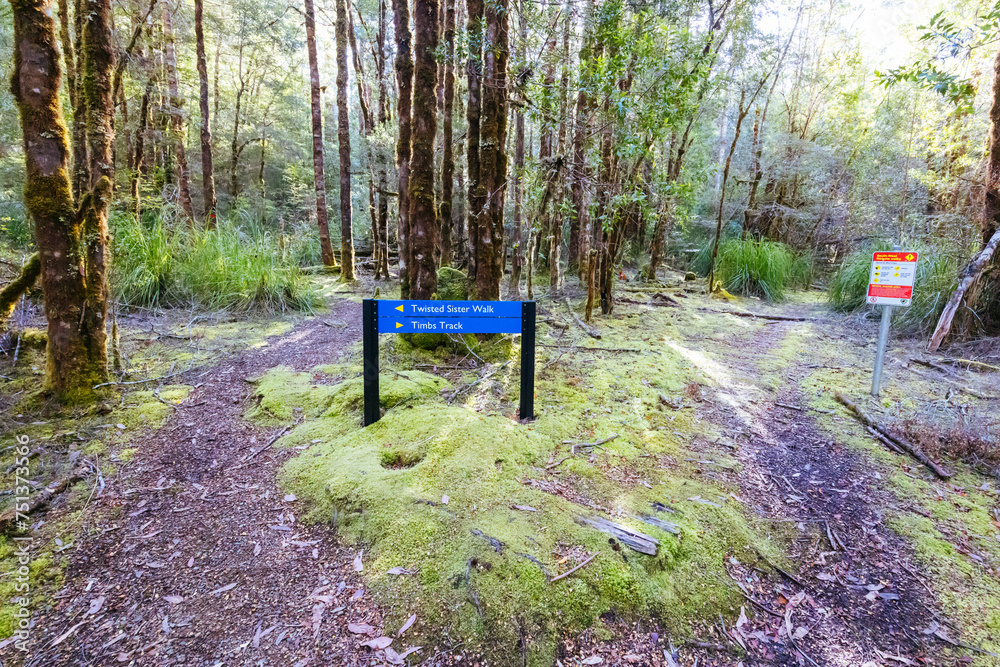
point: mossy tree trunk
(423, 212)
(71, 251)
(492, 149)
(319, 171)
(19, 285)
(136, 159)
(99, 65)
(579, 240)
(473, 115)
(404, 84)
(382, 266)
(207, 168)
(517, 240)
(366, 122)
(344, 146)
(177, 116)
(447, 137)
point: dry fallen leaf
(359, 566)
(592, 660)
(407, 625)
(400, 570)
(378, 643)
(227, 587)
(256, 549)
(357, 594)
(360, 628)
(96, 605)
(173, 599)
(398, 658)
(290, 498)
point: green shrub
(144, 260)
(849, 285)
(937, 276)
(759, 268)
(15, 225)
(239, 264)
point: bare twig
(569, 572)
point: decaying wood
(10, 516)
(633, 539)
(776, 318)
(954, 383)
(671, 528)
(581, 445)
(569, 572)
(590, 332)
(671, 303)
(868, 420)
(968, 276)
(969, 363)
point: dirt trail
(856, 590)
(197, 517)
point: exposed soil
(198, 516)
(862, 597)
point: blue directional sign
(449, 309)
(508, 317)
(456, 317)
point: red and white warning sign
(891, 279)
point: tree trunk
(579, 237)
(473, 114)
(319, 173)
(234, 147)
(991, 212)
(404, 82)
(81, 158)
(344, 145)
(136, 158)
(207, 170)
(177, 117)
(382, 256)
(447, 137)
(76, 349)
(423, 213)
(517, 241)
(99, 65)
(493, 156)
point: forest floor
(193, 533)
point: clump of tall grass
(937, 276)
(758, 268)
(233, 265)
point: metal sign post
(889, 284)
(453, 317)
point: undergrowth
(758, 268)
(239, 264)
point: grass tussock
(757, 268)
(937, 274)
(244, 267)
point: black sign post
(455, 317)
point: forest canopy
(758, 143)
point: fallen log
(969, 275)
(776, 318)
(11, 516)
(590, 332)
(969, 363)
(868, 420)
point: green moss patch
(480, 512)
